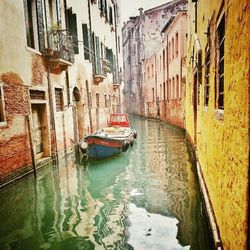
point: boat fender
(125, 146)
(135, 134)
(83, 147)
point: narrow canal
(146, 198)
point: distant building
(141, 38)
(60, 71)
(217, 111)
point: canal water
(145, 198)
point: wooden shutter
(85, 34)
(98, 63)
(73, 29)
(40, 25)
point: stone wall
(222, 137)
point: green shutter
(73, 29)
(98, 63)
(85, 33)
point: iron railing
(60, 45)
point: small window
(97, 100)
(176, 44)
(169, 52)
(2, 114)
(172, 48)
(37, 95)
(220, 63)
(207, 71)
(152, 70)
(59, 99)
(178, 87)
(105, 101)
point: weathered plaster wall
(223, 144)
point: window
(148, 72)
(172, 48)
(33, 13)
(72, 26)
(37, 95)
(173, 88)
(176, 44)
(153, 93)
(169, 89)
(86, 39)
(152, 70)
(2, 114)
(220, 63)
(105, 101)
(178, 87)
(163, 59)
(59, 99)
(110, 15)
(97, 100)
(169, 52)
(207, 71)
(160, 63)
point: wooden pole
(31, 145)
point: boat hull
(99, 148)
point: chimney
(141, 11)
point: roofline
(161, 6)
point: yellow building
(217, 115)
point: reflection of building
(141, 39)
(217, 110)
(60, 81)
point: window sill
(34, 51)
(219, 114)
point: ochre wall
(222, 144)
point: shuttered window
(72, 23)
(109, 56)
(98, 63)
(59, 99)
(33, 14)
(85, 33)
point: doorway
(40, 130)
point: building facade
(217, 110)
(165, 75)
(59, 82)
(142, 37)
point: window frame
(59, 91)
(220, 62)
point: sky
(130, 7)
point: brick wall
(14, 141)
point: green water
(146, 198)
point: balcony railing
(60, 46)
(101, 70)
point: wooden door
(37, 129)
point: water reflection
(144, 199)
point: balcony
(60, 50)
(101, 70)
